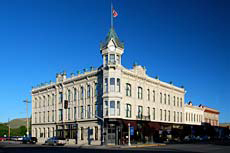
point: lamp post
(27, 122)
(9, 130)
(129, 134)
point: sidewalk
(115, 146)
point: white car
(56, 141)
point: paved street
(171, 148)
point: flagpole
(111, 14)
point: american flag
(115, 14)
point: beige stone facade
(83, 106)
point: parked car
(2, 139)
(189, 138)
(56, 141)
(31, 140)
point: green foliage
(21, 131)
(3, 129)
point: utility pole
(129, 144)
(27, 122)
(9, 130)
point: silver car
(56, 141)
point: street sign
(131, 130)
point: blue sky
(184, 41)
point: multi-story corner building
(194, 115)
(109, 98)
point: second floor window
(112, 84)
(161, 98)
(82, 92)
(112, 108)
(106, 108)
(128, 89)
(128, 110)
(148, 94)
(75, 94)
(153, 96)
(118, 85)
(118, 108)
(69, 95)
(161, 114)
(139, 94)
(168, 99)
(106, 85)
(60, 114)
(88, 91)
(60, 97)
(140, 112)
(154, 113)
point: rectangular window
(154, 117)
(140, 112)
(128, 89)
(82, 112)
(118, 59)
(53, 99)
(168, 115)
(118, 85)
(112, 108)
(112, 58)
(174, 101)
(96, 133)
(75, 113)
(60, 114)
(106, 108)
(106, 85)
(69, 95)
(118, 108)
(88, 91)
(139, 93)
(148, 94)
(44, 117)
(96, 109)
(180, 102)
(39, 117)
(48, 100)
(148, 109)
(106, 59)
(161, 114)
(165, 115)
(168, 99)
(95, 89)
(75, 94)
(60, 97)
(153, 96)
(82, 92)
(177, 101)
(161, 98)
(112, 84)
(174, 116)
(68, 113)
(88, 111)
(177, 116)
(128, 110)
(44, 101)
(165, 98)
(52, 115)
(48, 116)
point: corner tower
(112, 49)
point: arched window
(128, 89)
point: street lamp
(27, 122)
